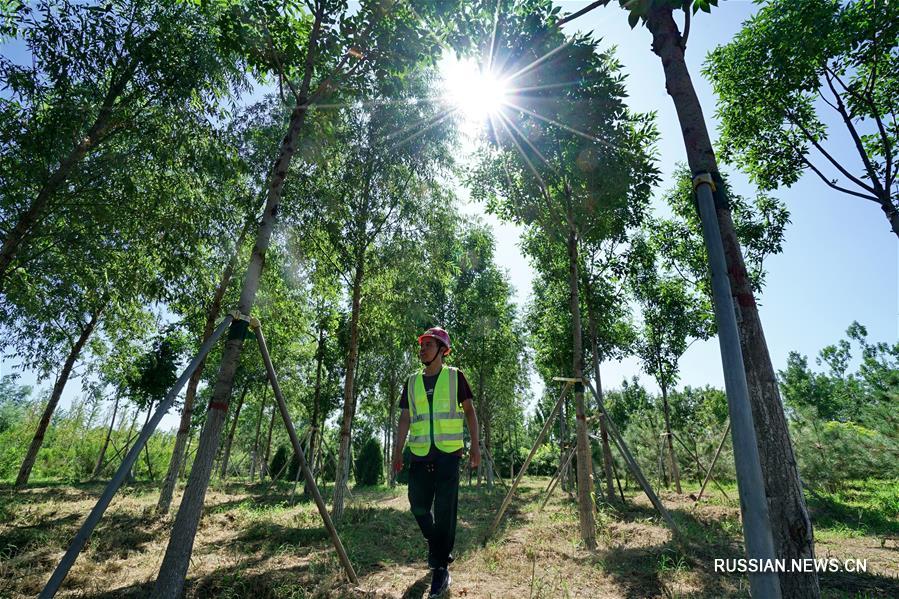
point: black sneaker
(440, 582)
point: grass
(263, 543)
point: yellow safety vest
(443, 422)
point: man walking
(430, 412)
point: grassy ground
(254, 543)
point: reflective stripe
(440, 416)
(453, 398)
(420, 439)
(444, 416)
(448, 437)
(410, 395)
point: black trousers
(434, 498)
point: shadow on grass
(637, 570)
(118, 535)
(45, 534)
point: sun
(472, 90)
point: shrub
(369, 469)
(278, 462)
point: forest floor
(257, 543)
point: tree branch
(826, 154)
(581, 12)
(835, 186)
(872, 174)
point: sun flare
(472, 90)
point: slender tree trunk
(115, 409)
(256, 439)
(190, 439)
(675, 471)
(489, 451)
(603, 430)
(212, 315)
(147, 445)
(268, 444)
(790, 523)
(563, 445)
(170, 582)
(224, 472)
(346, 426)
(390, 425)
(61, 380)
(584, 456)
(316, 402)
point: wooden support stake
(714, 461)
(696, 457)
(524, 467)
(298, 449)
(495, 469)
(632, 463)
(557, 478)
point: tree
(576, 181)
(379, 177)
(775, 93)
(321, 49)
(671, 316)
(485, 330)
(791, 526)
(98, 77)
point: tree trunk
(224, 473)
(61, 380)
(115, 408)
(212, 315)
(603, 430)
(390, 425)
(316, 402)
(147, 445)
(563, 444)
(190, 438)
(890, 211)
(256, 439)
(790, 524)
(170, 582)
(488, 463)
(268, 444)
(346, 427)
(584, 457)
(675, 470)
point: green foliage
(844, 422)
(759, 223)
(672, 314)
(545, 461)
(370, 463)
(775, 80)
(72, 442)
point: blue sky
(840, 261)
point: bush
(545, 462)
(832, 453)
(369, 468)
(278, 462)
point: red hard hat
(439, 334)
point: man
(429, 408)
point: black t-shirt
(463, 391)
